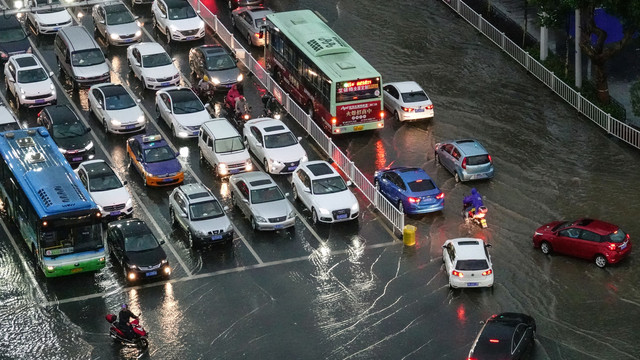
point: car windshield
(183, 12)
(562, 225)
(68, 130)
(119, 102)
(264, 195)
(188, 106)
(421, 185)
(479, 264)
(157, 154)
(44, 3)
(617, 236)
(414, 96)
(279, 140)
(477, 160)
(229, 145)
(10, 35)
(205, 210)
(142, 242)
(32, 75)
(220, 62)
(328, 185)
(155, 60)
(120, 16)
(87, 57)
(104, 182)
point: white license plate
(216, 237)
(341, 216)
(77, 158)
(114, 213)
(152, 273)
(472, 284)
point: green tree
(553, 12)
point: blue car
(410, 189)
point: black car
(506, 336)
(13, 39)
(132, 244)
(69, 133)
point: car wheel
(124, 271)
(601, 261)
(400, 206)
(314, 216)
(168, 34)
(545, 247)
(201, 158)
(254, 224)
(295, 193)
(106, 127)
(249, 40)
(157, 113)
(173, 130)
(437, 158)
(172, 217)
(233, 201)
(450, 286)
(155, 23)
(266, 166)
(190, 240)
(457, 177)
(396, 115)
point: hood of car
(15, 47)
(37, 88)
(546, 228)
(123, 29)
(193, 119)
(110, 197)
(286, 154)
(272, 209)
(224, 76)
(126, 116)
(164, 71)
(234, 157)
(220, 223)
(53, 18)
(146, 258)
(335, 201)
(73, 143)
(91, 71)
(186, 24)
(163, 167)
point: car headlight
(62, 150)
(355, 208)
(172, 28)
(260, 219)
(304, 159)
(323, 211)
(128, 204)
(275, 162)
(132, 266)
(240, 77)
(149, 79)
(105, 74)
(114, 36)
(115, 122)
(89, 146)
(164, 261)
(215, 81)
(138, 33)
(141, 119)
(291, 215)
(229, 228)
(199, 233)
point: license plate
(341, 216)
(39, 101)
(291, 168)
(129, 126)
(190, 38)
(152, 273)
(419, 110)
(358, 128)
(128, 40)
(472, 284)
(228, 86)
(114, 213)
(216, 237)
(76, 158)
(165, 84)
(623, 246)
(195, 133)
(234, 171)
(56, 28)
(277, 226)
(75, 270)
(167, 180)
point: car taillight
(407, 109)
(457, 273)
(472, 358)
(429, 107)
(488, 272)
(490, 160)
(414, 200)
(259, 35)
(495, 341)
(612, 246)
(440, 196)
(464, 163)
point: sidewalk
(623, 68)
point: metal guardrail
(611, 125)
(390, 212)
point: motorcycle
(477, 216)
(139, 338)
(206, 96)
(242, 115)
(272, 108)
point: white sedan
(182, 110)
(152, 65)
(407, 101)
(48, 19)
(106, 188)
(467, 263)
(116, 109)
(272, 142)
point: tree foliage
(553, 13)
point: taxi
(155, 160)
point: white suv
(28, 82)
(223, 148)
(467, 263)
(323, 191)
(177, 20)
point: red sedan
(589, 239)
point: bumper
(282, 168)
(616, 257)
(126, 128)
(471, 282)
(214, 239)
(137, 274)
(87, 82)
(30, 103)
(124, 42)
(410, 116)
(118, 214)
(155, 85)
(329, 218)
(155, 181)
(51, 29)
(267, 226)
(231, 169)
(479, 176)
(72, 268)
(423, 209)
(178, 36)
(75, 159)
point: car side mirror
(138, 101)
(136, 17)
(225, 208)
(245, 201)
(138, 63)
(349, 183)
(259, 145)
(198, 11)
(125, 182)
(174, 59)
(11, 80)
(51, 73)
(306, 189)
(161, 242)
(299, 138)
(487, 245)
(183, 215)
(207, 106)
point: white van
(223, 148)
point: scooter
(477, 216)
(272, 108)
(139, 338)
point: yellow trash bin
(409, 235)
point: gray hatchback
(466, 159)
(194, 208)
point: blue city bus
(49, 205)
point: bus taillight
(45, 223)
(334, 120)
(381, 114)
(336, 131)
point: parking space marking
(201, 276)
(107, 154)
(30, 274)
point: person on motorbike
(270, 105)
(472, 202)
(235, 92)
(205, 89)
(124, 317)
(241, 106)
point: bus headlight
(51, 268)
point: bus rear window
(357, 90)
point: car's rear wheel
(601, 261)
(314, 216)
(545, 247)
(396, 115)
(457, 177)
(295, 192)
(190, 240)
(172, 217)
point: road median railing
(612, 126)
(384, 207)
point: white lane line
(24, 263)
(202, 276)
(155, 225)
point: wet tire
(545, 247)
(254, 224)
(266, 166)
(172, 217)
(314, 217)
(190, 243)
(600, 261)
(396, 115)
(233, 201)
(142, 343)
(457, 177)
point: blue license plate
(77, 158)
(341, 216)
(228, 86)
(216, 237)
(623, 246)
(114, 213)
(56, 28)
(165, 84)
(190, 37)
(39, 101)
(472, 284)
(291, 168)
(419, 110)
(234, 171)
(129, 126)
(152, 273)
(277, 226)
(167, 180)
(128, 40)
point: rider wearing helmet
(123, 320)
(472, 202)
(205, 88)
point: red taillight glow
(334, 120)
(464, 163)
(414, 200)
(490, 160)
(258, 35)
(408, 109)
(457, 273)
(381, 114)
(246, 117)
(488, 272)
(440, 196)
(495, 341)
(612, 246)
(479, 215)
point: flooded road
(352, 292)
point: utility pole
(578, 52)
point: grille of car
(114, 207)
(58, 24)
(336, 213)
(193, 128)
(75, 152)
(36, 97)
(277, 219)
(295, 163)
(236, 166)
(152, 267)
(128, 36)
(167, 175)
(215, 232)
(189, 32)
(164, 79)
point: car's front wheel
(254, 224)
(457, 177)
(314, 216)
(545, 247)
(172, 217)
(601, 261)
(106, 126)
(190, 240)
(295, 193)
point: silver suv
(465, 159)
(198, 212)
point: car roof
(410, 174)
(213, 49)
(114, 7)
(176, 3)
(7, 116)
(221, 128)
(131, 226)
(26, 61)
(469, 248)
(269, 125)
(179, 94)
(97, 167)
(255, 179)
(153, 144)
(149, 47)
(470, 147)
(406, 86)
(112, 89)
(58, 113)
(196, 192)
(320, 169)
(597, 226)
